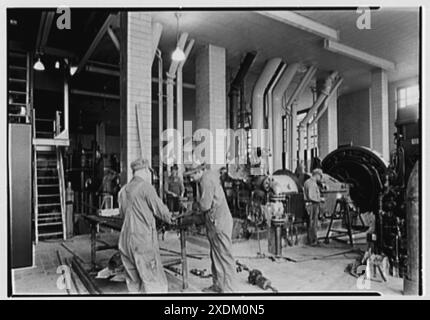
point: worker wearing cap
(312, 197)
(138, 241)
(174, 188)
(219, 226)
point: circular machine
(363, 169)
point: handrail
(35, 195)
(62, 186)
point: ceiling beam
(356, 54)
(108, 22)
(301, 22)
(114, 38)
(47, 29)
(39, 33)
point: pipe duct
(234, 94)
(257, 107)
(278, 93)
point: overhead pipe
(277, 111)
(234, 93)
(325, 105)
(179, 97)
(257, 106)
(292, 101)
(115, 72)
(301, 86)
(269, 108)
(325, 91)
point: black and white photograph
(213, 151)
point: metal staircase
(48, 182)
(49, 210)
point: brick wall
(211, 91)
(136, 62)
(327, 129)
(353, 118)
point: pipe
(328, 83)
(325, 106)
(116, 72)
(157, 29)
(257, 107)
(277, 111)
(179, 92)
(235, 87)
(269, 99)
(160, 123)
(171, 74)
(303, 83)
(66, 106)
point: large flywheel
(362, 168)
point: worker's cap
(193, 168)
(140, 164)
(317, 171)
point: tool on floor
(85, 277)
(202, 273)
(256, 277)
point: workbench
(116, 224)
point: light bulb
(73, 70)
(178, 55)
(38, 65)
(57, 64)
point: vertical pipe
(160, 123)
(66, 105)
(179, 99)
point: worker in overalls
(312, 197)
(212, 203)
(138, 241)
(174, 189)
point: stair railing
(62, 186)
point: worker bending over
(311, 194)
(219, 226)
(138, 241)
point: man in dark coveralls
(219, 226)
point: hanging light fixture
(178, 54)
(73, 70)
(38, 65)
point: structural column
(135, 89)
(327, 128)
(379, 117)
(211, 95)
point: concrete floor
(318, 269)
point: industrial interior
(337, 97)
